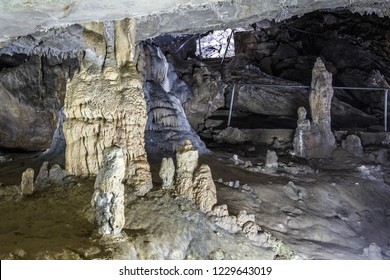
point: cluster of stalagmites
(188, 179)
(315, 139)
(196, 183)
(46, 176)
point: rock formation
(204, 190)
(57, 174)
(108, 198)
(315, 139)
(167, 173)
(191, 182)
(353, 145)
(50, 176)
(271, 162)
(42, 179)
(303, 129)
(105, 106)
(31, 94)
(166, 94)
(186, 163)
(231, 135)
(27, 184)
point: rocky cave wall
(355, 50)
(31, 95)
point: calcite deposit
(167, 173)
(186, 163)
(108, 197)
(27, 184)
(315, 139)
(188, 179)
(105, 106)
(204, 190)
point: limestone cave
(193, 129)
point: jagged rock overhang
(19, 18)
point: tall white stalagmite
(108, 198)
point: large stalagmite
(315, 139)
(105, 106)
(108, 198)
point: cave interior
(254, 140)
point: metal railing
(385, 92)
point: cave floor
(320, 209)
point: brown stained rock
(108, 198)
(204, 190)
(27, 184)
(167, 173)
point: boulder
(353, 145)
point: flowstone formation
(315, 139)
(166, 94)
(105, 106)
(108, 198)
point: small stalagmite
(192, 182)
(204, 190)
(108, 198)
(271, 161)
(167, 173)
(352, 144)
(27, 184)
(186, 163)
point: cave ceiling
(21, 17)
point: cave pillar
(105, 105)
(315, 139)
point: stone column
(105, 106)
